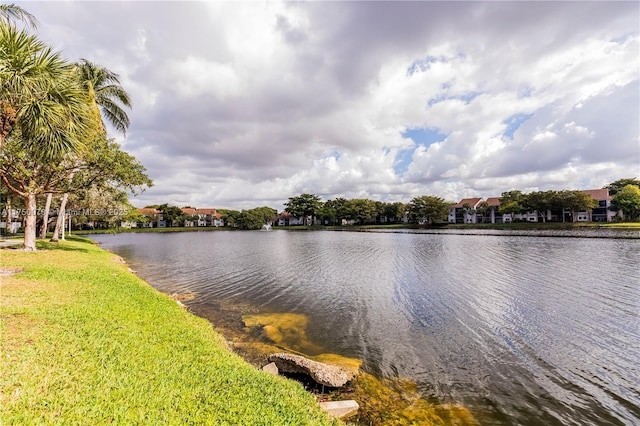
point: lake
(521, 329)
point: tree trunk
(60, 221)
(45, 218)
(9, 217)
(30, 225)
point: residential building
(191, 220)
(494, 215)
(602, 212)
(210, 217)
(460, 214)
(155, 217)
(288, 219)
(464, 211)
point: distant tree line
(426, 209)
(243, 219)
(514, 202)
(430, 209)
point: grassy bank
(84, 341)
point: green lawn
(85, 341)
(621, 225)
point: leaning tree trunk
(30, 223)
(60, 221)
(45, 218)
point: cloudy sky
(244, 104)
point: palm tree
(11, 12)
(105, 94)
(43, 114)
(39, 94)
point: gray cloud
(241, 104)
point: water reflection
(522, 330)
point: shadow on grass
(46, 245)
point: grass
(85, 341)
(635, 225)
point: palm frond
(116, 116)
(103, 87)
(51, 107)
(11, 12)
(114, 92)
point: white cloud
(193, 77)
(244, 104)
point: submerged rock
(324, 374)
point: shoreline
(381, 400)
(85, 340)
(449, 227)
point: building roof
(149, 211)
(493, 201)
(209, 211)
(188, 210)
(473, 202)
(598, 194)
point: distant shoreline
(524, 226)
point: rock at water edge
(324, 374)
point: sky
(244, 104)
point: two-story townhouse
(493, 215)
(464, 211)
(600, 213)
(190, 214)
(210, 217)
(202, 217)
(156, 219)
(288, 219)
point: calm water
(519, 329)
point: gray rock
(271, 368)
(340, 409)
(324, 374)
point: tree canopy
(428, 209)
(40, 96)
(614, 187)
(304, 205)
(627, 200)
